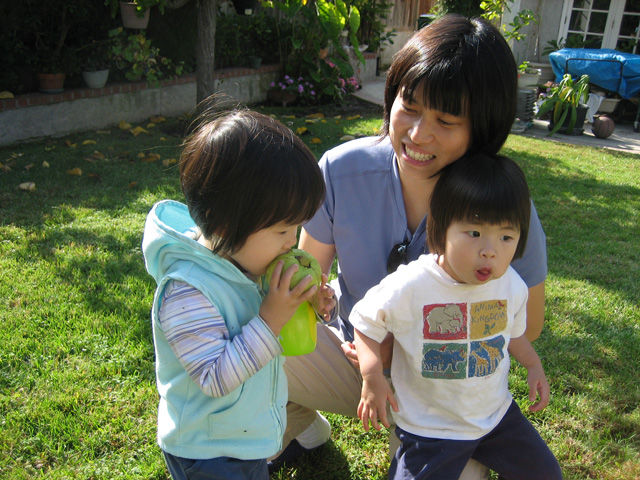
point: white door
(601, 24)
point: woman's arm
(535, 311)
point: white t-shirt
(450, 364)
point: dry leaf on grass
(75, 172)
(27, 186)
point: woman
(452, 89)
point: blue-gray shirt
(363, 215)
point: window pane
(578, 21)
(593, 41)
(598, 22)
(601, 4)
(629, 25)
(581, 3)
(632, 6)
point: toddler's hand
(324, 300)
(281, 303)
(538, 386)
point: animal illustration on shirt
(445, 319)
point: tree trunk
(207, 10)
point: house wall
(537, 35)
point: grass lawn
(77, 386)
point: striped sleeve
(197, 334)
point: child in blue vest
(249, 182)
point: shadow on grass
(324, 463)
(591, 224)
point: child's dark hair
(479, 189)
(459, 66)
(244, 171)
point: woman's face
(426, 140)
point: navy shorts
(513, 449)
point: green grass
(77, 386)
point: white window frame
(612, 27)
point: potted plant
(97, 62)
(567, 102)
(135, 13)
(528, 76)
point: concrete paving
(623, 139)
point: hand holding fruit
(281, 302)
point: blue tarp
(609, 69)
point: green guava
(307, 265)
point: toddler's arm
(375, 388)
(522, 350)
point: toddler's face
(476, 253)
(263, 246)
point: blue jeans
(221, 468)
(513, 449)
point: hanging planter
(244, 7)
(130, 18)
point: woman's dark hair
(243, 171)
(458, 66)
(479, 189)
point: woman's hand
(324, 300)
(386, 352)
(280, 303)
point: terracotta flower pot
(51, 82)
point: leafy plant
(574, 41)
(564, 99)
(493, 11)
(137, 58)
(373, 16)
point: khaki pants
(326, 380)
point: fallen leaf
(16, 155)
(163, 139)
(132, 185)
(45, 164)
(27, 186)
(353, 117)
(316, 140)
(48, 149)
(137, 131)
(338, 117)
(97, 155)
(311, 120)
(89, 142)
(6, 94)
(169, 161)
(124, 125)
(157, 119)
(95, 176)
(301, 130)
(103, 132)
(151, 125)
(74, 171)
(152, 157)
(5, 168)
(345, 138)
(318, 115)
(287, 116)
(323, 121)
(69, 143)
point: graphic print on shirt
(444, 360)
(488, 318)
(445, 321)
(485, 356)
(463, 341)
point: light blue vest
(249, 422)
